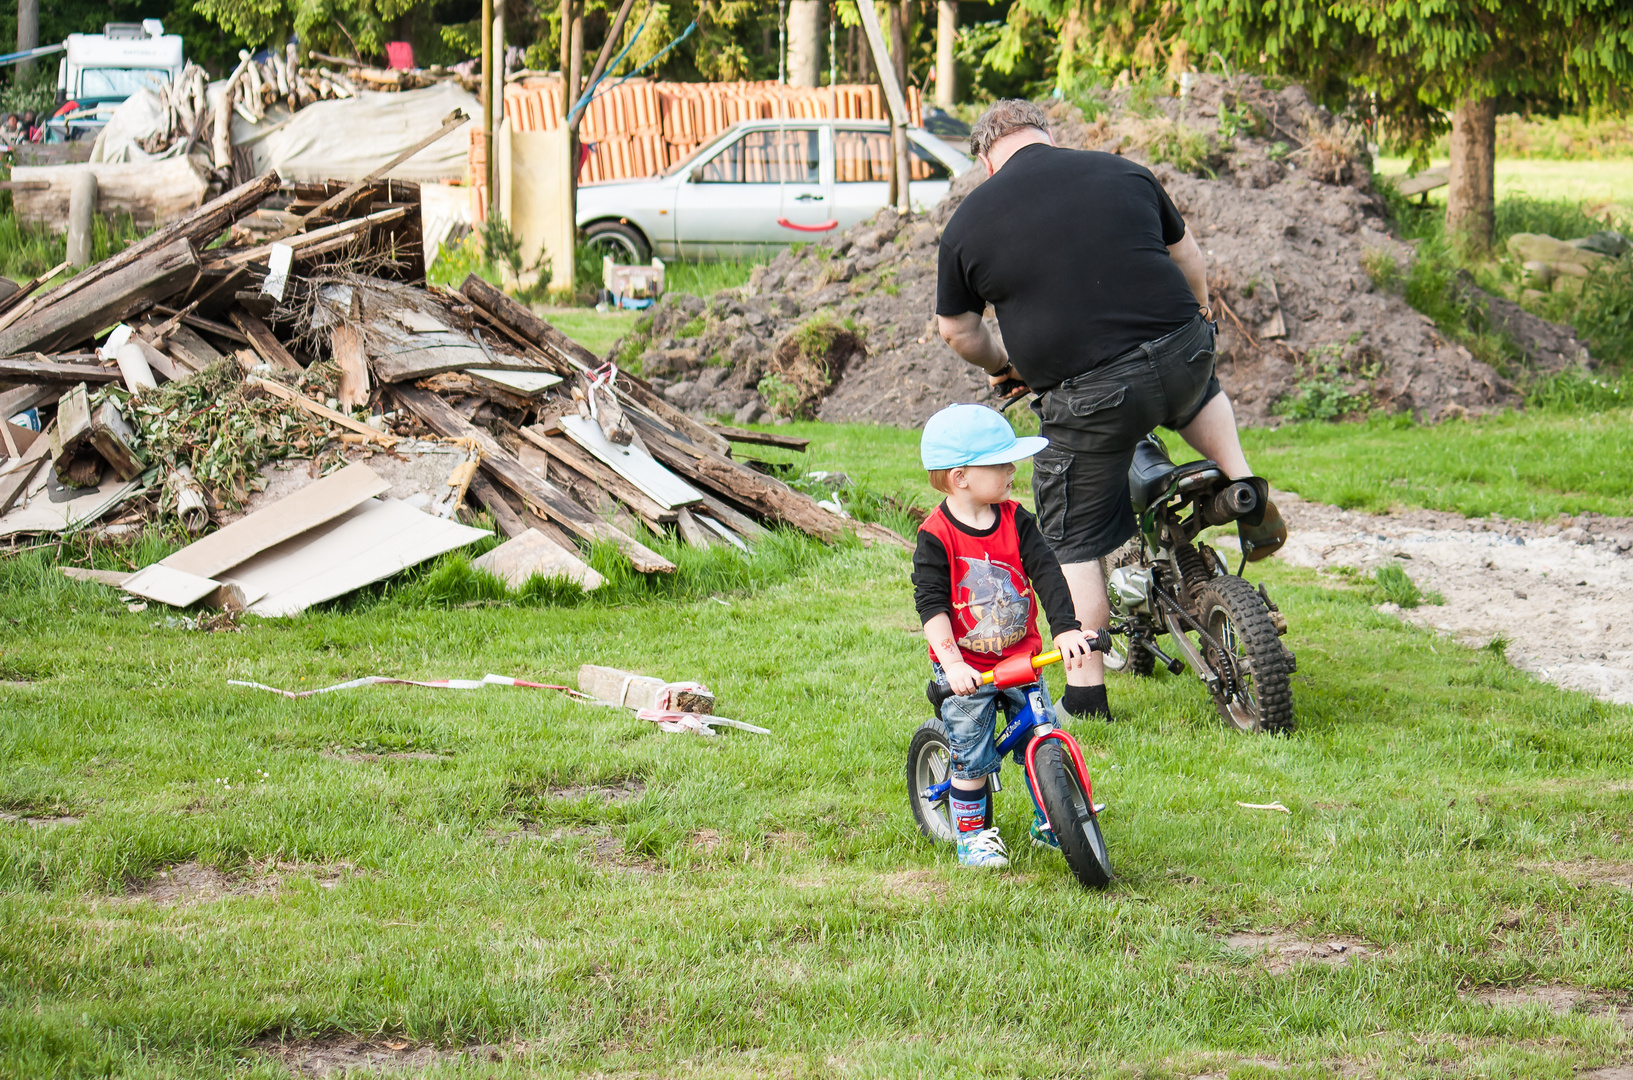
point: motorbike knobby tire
(1235, 615)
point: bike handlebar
(1009, 673)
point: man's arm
(1189, 257)
(969, 337)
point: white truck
(98, 71)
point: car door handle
(808, 198)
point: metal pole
(833, 60)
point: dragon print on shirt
(1000, 612)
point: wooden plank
(766, 495)
(22, 398)
(15, 482)
(550, 500)
(759, 438)
(280, 390)
(261, 338)
(721, 531)
(575, 357)
(191, 349)
(734, 519)
(523, 383)
(318, 502)
(209, 326)
(114, 578)
(111, 299)
(635, 466)
(575, 456)
(516, 561)
(346, 345)
(367, 543)
(308, 243)
(1425, 181)
(548, 528)
(504, 515)
(157, 360)
(582, 488)
(423, 363)
(201, 227)
(42, 368)
(694, 533)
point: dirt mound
(1277, 192)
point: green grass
(595, 330)
(762, 905)
(707, 278)
(27, 251)
(1578, 181)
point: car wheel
(623, 242)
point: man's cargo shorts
(1094, 420)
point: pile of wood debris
(309, 335)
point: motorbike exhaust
(1236, 501)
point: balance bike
(1054, 769)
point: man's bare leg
(1088, 587)
(1213, 435)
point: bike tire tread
(1246, 611)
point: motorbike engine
(1129, 589)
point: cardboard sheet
(632, 463)
(366, 544)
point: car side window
(862, 157)
(768, 157)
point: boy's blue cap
(973, 435)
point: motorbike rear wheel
(1071, 815)
(1254, 690)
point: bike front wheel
(1255, 693)
(1071, 815)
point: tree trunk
(28, 35)
(804, 42)
(1471, 198)
(946, 67)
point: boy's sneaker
(1043, 836)
(982, 850)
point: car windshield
(767, 157)
(119, 82)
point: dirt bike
(1054, 768)
(1166, 582)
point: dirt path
(1561, 593)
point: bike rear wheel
(930, 762)
(1255, 693)
(1072, 816)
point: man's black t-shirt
(1071, 248)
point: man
(1102, 296)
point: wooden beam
(44, 369)
(260, 337)
(201, 226)
(55, 321)
(282, 391)
(759, 438)
(548, 499)
(505, 517)
(574, 456)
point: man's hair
(1003, 117)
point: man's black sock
(1086, 701)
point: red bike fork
(1077, 763)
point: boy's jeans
(970, 727)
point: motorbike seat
(1152, 471)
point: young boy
(980, 562)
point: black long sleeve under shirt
(932, 581)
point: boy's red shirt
(994, 612)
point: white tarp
(138, 117)
(348, 138)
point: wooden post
(804, 42)
(486, 91)
(81, 211)
(946, 65)
(893, 95)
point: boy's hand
(963, 679)
(1074, 649)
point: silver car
(761, 184)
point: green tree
(1427, 61)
